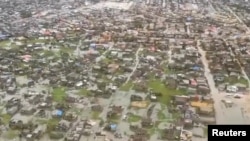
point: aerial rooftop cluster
(127, 70)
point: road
(236, 59)
(237, 17)
(137, 61)
(57, 13)
(211, 6)
(214, 91)
(111, 45)
(245, 106)
(78, 48)
(223, 115)
(170, 55)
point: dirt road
(137, 61)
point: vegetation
(83, 92)
(4, 43)
(169, 71)
(25, 14)
(107, 60)
(33, 41)
(11, 134)
(48, 53)
(76, 111)
(59, 94)
(176, 115)
(205, 131)
(138, 24)
(159, 87)
(101, 123)
(114, 119)
(66, 50)
(105, 79)
(161, 115)
(95, 115)
(134, 118)
(51, 124)
(151, 131)
(41, 121)
(8, 45)
(127, 86)
(233, 80)
(5, 118)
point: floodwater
(223, 115)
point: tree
(25, 14)
(138, 24)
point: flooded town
(122, 70)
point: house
(146, 122)
(181, 100)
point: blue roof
(3, 36)
(113, 126)
(59, 112)
(196, 68)
(93, 45)
(189, 18)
